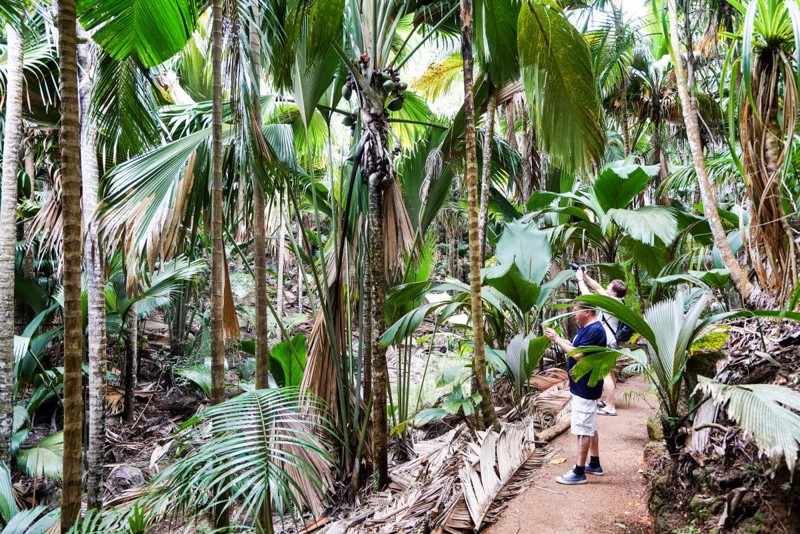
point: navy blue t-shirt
(592, 335)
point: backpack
(623, 334)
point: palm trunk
(217, 258)
(281, 260)
(707, 194)
(259, 228)
(69, 139)
(221, 519)
(380, 372)
(479, 355)
(12, 137)
(486, 174)
(131, 362)
(95, 453)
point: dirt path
(607, 504)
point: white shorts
(584, 416)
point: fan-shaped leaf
(765, 411)
(153, 30)
(44, 458)
(620, 182)
(560, 84)
(645, 224)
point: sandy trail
(611, 503)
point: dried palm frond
(48, 222)
(548, 378)
(485, 476)
(398, 233)
(230, 321)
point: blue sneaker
(598, 471)
(570, 478)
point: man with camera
(584, 397)
(616, 331)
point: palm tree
(96, 330)
(217, 250)
(259, 224)
(12, 137)
(707, 193)
(69, 140)
(769, 88)
(471, 175)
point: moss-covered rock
(654, 430)
(703, 506)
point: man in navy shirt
(584, 397)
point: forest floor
(615, 502)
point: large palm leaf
(765, 411)
(152, 30)
(260, 444)
(560, 84)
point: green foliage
(258, 440)
(8, 505)
(560, 84)
(151, 30)
(290, 355)
(199, 375)
(43, 459)
(34, 521)
(495, 28)
(765, 411)
(522, 356)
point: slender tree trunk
(471, 174)
(281, 259)
(95, 453)
(217, 267)
(12, 137)
(380, 372)
(486, 174)
(259, 227)
(69, 139)
(366, 343)
(221, 518)
(131, 362)
(264, 525)
(707, 194)
(299, 266)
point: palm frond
(123, 108)
(152, 30)
(646, 224)
(34, 521)
(259, 442)
(767, 412)
(560, 85)
(439, 77)
(44, 458)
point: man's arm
(562, 343)
(588, 285)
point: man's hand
(550, 333)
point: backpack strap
(605, 322)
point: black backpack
(623, 334)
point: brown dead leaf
(556, 461)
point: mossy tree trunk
(471, 175)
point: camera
(577, 267)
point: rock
(704, 507)
(126, 476)
(654, 430)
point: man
(616, 290)
(584, 398)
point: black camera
(577, 267)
